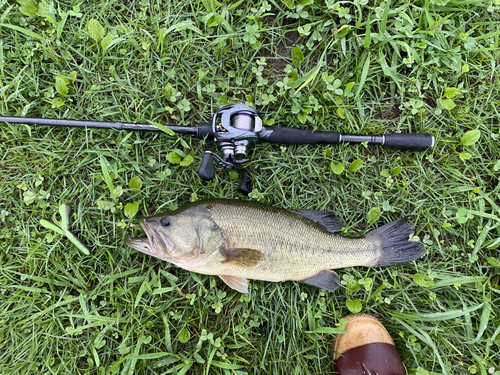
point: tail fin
(395, 244)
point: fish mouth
(156, 243)
(140, 244)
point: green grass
(420, 66)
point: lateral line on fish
(298, 239)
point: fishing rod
(236, 128)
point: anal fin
(237, 283)
(326, 279)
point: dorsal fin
(325, 219)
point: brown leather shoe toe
(367, 349)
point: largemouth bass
(239, 240)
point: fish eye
(165, 222)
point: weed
(359, 67)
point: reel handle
(207, 171)
(245, 184)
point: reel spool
(236, 128)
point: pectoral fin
(326, 219)
(241, 257)
(238, 283)
(326, 279)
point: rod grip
(409, 141)
(277, 134)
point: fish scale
(287, 241)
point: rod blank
(96, 124)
